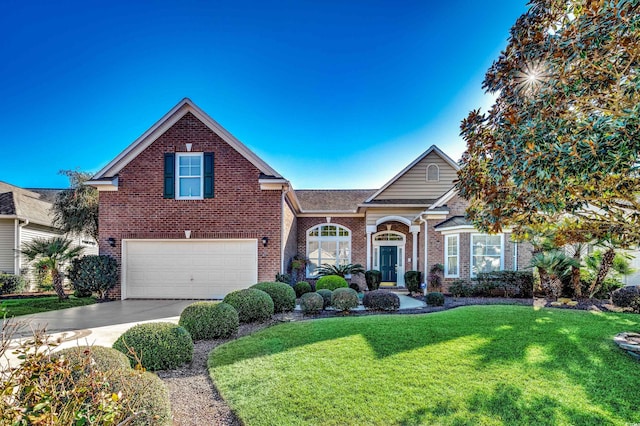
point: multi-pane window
(451, 250)
(330, 244)
(486, 253)
(189, 175)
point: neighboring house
(190, 212)
(24, 216)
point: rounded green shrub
(326, 296)
(158, 345)
(331, 282)
(344, 299)
(10, 283)
(301, 288)
(311, 303)
(381, 300)
(253, 305)
(435, 299)
(148, 397)
(627, 297)
(373, 278)
(82, 359)
(209, 320)
(94, 273)
(283, 295)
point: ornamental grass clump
(301, 288)
(253, 305)
(344, 299)
(311, 303)
(209, 320)
(331, 282)
(283, 295)
(381, 300)
(326, 296)
(156, 345)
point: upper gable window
(433, 173)
(189, 176)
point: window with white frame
(433, 173)
(189, 176)
(328, 243)
(486, 253)
(451, 256)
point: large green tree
(76, 209)
(560, 147)
(54, 253)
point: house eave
(104, 185)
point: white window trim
(427, 173)
(471, 274)
(446, 256)
(337, 239)
(177, 174)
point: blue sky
(332, 94)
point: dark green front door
(388, 262)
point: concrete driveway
(98, 324)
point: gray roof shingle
(332, 200)
(25, 204)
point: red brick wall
(239, 210)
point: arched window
(433, 173)
(328, 243)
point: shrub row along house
(191, 212)
(25, 215)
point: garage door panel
(188, 269)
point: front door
(388, 263)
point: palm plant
(53, 253)
(340, 270)
(553, 266)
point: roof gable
(185, 106)
(411, 182)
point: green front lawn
(491, 365)
(33, 305)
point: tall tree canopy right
(76, 209)
(560, 147)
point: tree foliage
(559, 149)
(75, 210)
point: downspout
(17, 265)
(282, 236)
(426, 252)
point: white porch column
(370, 230)
(415, 229)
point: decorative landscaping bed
(629, 342)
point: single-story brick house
(190, 212)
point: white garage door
(187, 269)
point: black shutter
(169, 175)
(208, 175)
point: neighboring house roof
(331, 200)
(111, 170)
(432, 149)
(453, 222)
(24, 204)
(47, 194)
